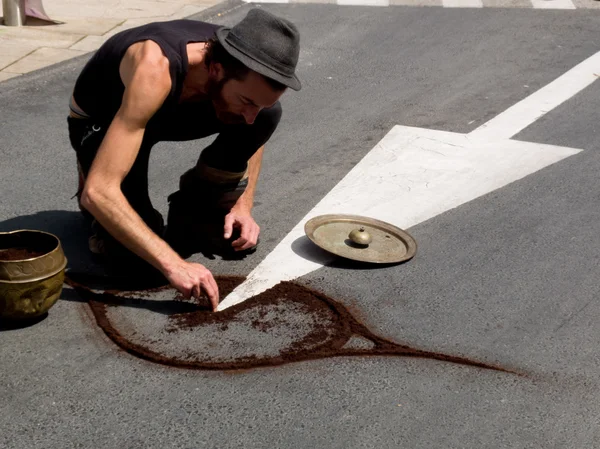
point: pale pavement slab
(10, 53)
(42, 57)
(39, 37)
(89, 43)
(128, 10)
(84, 28)
(78, 25)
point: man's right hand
(192, 279)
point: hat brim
(292, 82)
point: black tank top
(99, 89)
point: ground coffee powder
(328, 329)
(12, 254)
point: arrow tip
(230, 300)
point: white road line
(552, 4)
(530, 109)
(414, 174)
(462, 3)
(411, 176)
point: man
(174, 81)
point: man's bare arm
(145, 74)
(240, 216)
(246, 201)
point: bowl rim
(18, 231)
(55, 250)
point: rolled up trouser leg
(197, 211)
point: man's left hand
(240, 218)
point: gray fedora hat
(266, 44)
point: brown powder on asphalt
(328, 340)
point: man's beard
(214, 90)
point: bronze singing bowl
(29, 287)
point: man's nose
(250, 114)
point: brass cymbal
(361, 238)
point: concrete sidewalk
(86, 26)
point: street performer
(176, 81)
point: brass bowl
(30, 286)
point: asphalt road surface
(509, 278)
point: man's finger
(196, 293)
(255, 235)
(252, 239)
(216, 287)
(246, 229)
(244, 234)
(247, 244)
(238, 243)
(229, 220)
(208, 289)
(186, 292)
(212, 290)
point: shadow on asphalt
(308, 250)
(21, 324)
(163, 307)
(70, 227)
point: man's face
(238, 101)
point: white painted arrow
(414, 174)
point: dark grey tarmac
(510, 278)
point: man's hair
(234, 69)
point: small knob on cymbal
(360, 237)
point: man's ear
(216, 71)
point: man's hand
(240, 218)
(191, 279)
